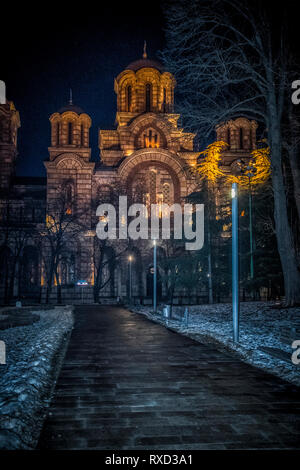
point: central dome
(71, 107)
(145, 63)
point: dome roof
(142, 63)
(145, 63)
(71, 107)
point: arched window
(151, 139)
(228, 136)
(69, 199)
(70, 132)
(148, 97)
(128, 98)
(241, 138)
(165, 100)
(166, 193)
(57, 133)
(81, 135)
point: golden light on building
(150, 142)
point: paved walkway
(128, 383)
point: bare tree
(64, 223)
(106, 251)
(230, 61)
(291, 143)
(179, 268)
(15, 234)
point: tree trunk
(293, 153)
(210, 285)
(96, 294)
(172, 290)
(49, 284)
(58, 287)
(47, 295)
(98, 280)
(12, 281)
(211, 216)
(6, 284)
(295, 169)
(284, 236)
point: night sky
(51, 51)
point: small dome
(145, 63)
(71, 107)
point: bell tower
(9, 124)
(240, 135)
(70, 131)
(69, 168)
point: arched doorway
(150, 274)
(170, 180)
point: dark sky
(50, 51)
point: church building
(146, 149)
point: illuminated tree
(209, 167)
(258, 169)
(259, 166)
(210, 171)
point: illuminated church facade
(147, 149)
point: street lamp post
(82, 283)
(154, 277)
(250, 174)
(130, 277)
(235, 263)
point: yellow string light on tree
(209, 167)
(259, 166)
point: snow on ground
(34, 355)
(260, 326)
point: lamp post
(130, 276)
(82, 283)
(250, 174)
(154, 277)
(235, 262)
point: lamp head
(234, 190)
